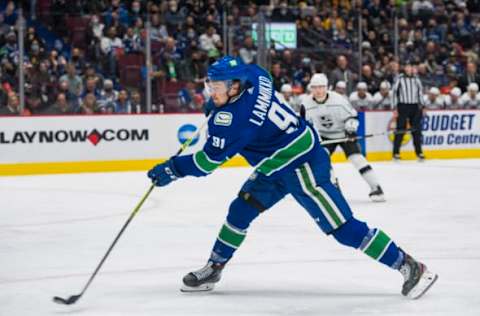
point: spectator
(78, 60)
(173, 17)
(60, 107)
(471, 98)
(4, 27)
(277, 76)
(75, 84)
(303, 74)
(470, 76)
(185, 96)
(10, 13)
(208, 40)
(282, 13)
(342, 73)
(288, 63)
(369, 78)
(382, 100)
(361, 99)
(9, 51)
(452, 100)
(13, 105)
(433, 100)
(158, 29)
(108, 95)
(91, 87)
(95, 29)
(72, 99)
(248, 52)
(89, 105)
(132, 42)
(136, 102)
(122, 104)
(91, 73)
(111, 46)
(193, 68)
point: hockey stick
(74, 298)
(349, 139)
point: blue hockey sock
(373, 242)
(233, 232)
(228, 241)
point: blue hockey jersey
(258, 126)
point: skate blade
(201, 288)
(378, 198)
(426, 281)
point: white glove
(351, 125)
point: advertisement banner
(443, 131)
(105, 138)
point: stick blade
(71, 300)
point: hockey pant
(311, 187)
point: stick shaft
(135, 211)
(346, 139)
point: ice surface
(55, 229)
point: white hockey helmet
(434, 91)
(341, 85)
(385, 85)
(286, 88)
(472, 87)
(318, 79)
(362, 85)
(456, 92)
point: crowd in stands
(88, 57)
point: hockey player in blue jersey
(249, 119)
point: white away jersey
(437, 103)
(365, 103)
(470, 103)
(381, 102)
(329, 117)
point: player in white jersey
(341, 88)
(361, 99)
(334, 118)
(433, 100)
(293, 100)
(382, 100)
(471, 98)
(452, 100)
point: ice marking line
(241, 264)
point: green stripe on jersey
(204, 163)
(378, 245)
(320, 198)
(231, 236)
(282, 157)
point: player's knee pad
(360, 163)
(241, 213)
(352, 233)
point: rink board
(72, 144)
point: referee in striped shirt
(408, 104)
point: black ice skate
(203, 279)
(421, 157)
(377, 195)
(396, 157)
(418, 279)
